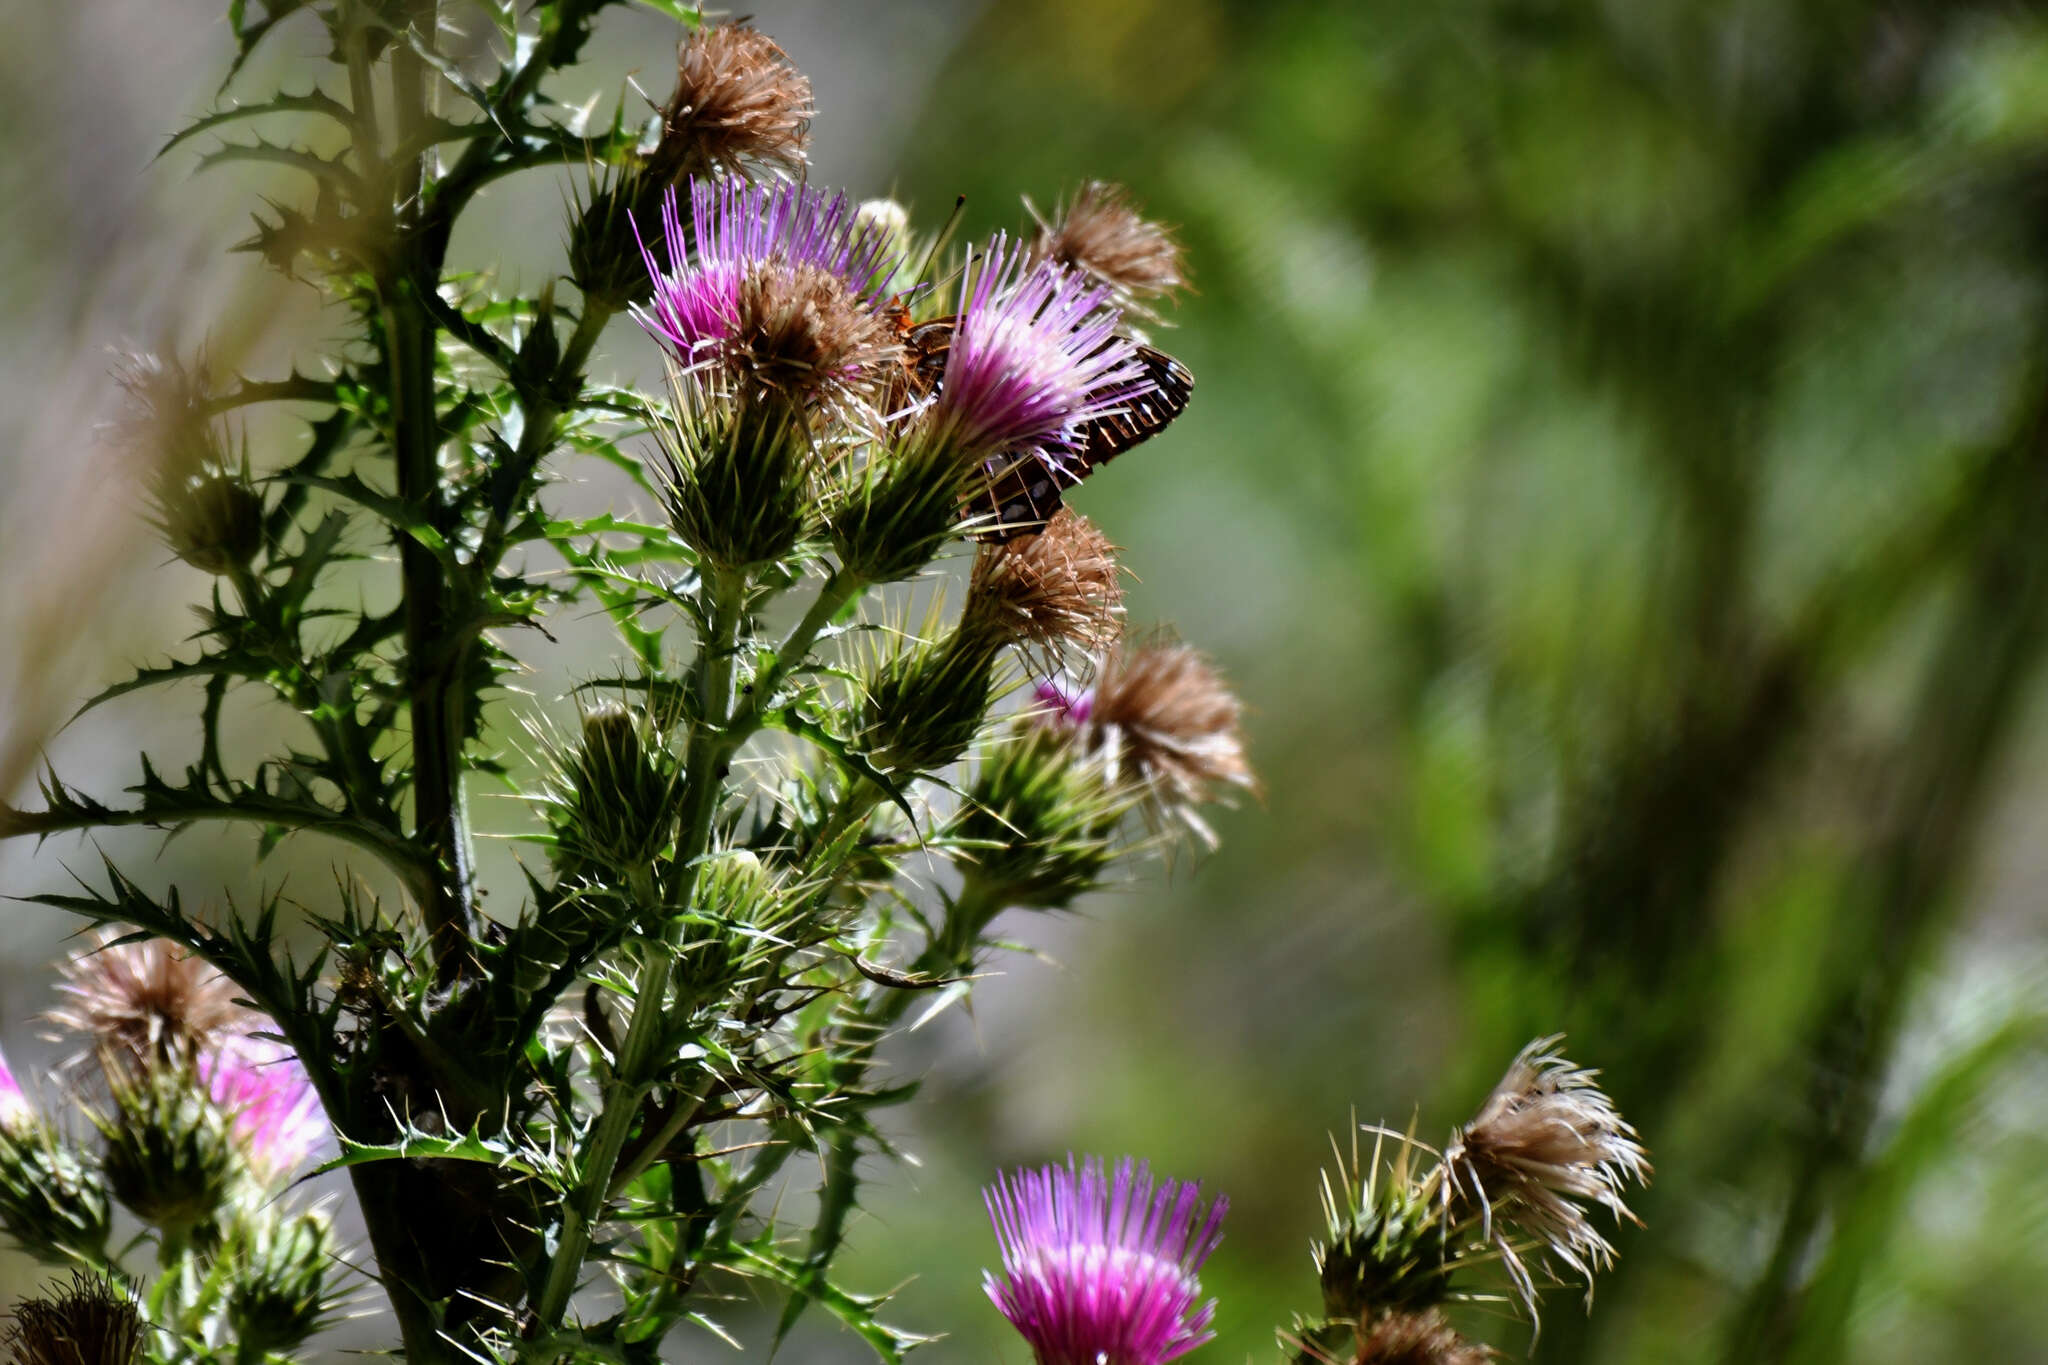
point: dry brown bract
(1101, 233)
(738, 100)
(1059, 588)
(1547, 1144)
(1166, 721)
(799, 334)
(1417, 1339)
(91, 1323)
(149, 1000)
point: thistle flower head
(1099, 1267)
(264, 1089)
(1165, 720)
(90, 1323)
(1034, 357)
(1048, 591)
(211, 517)
(738, 101)
(1545, 1146)
(147, 1001)
(165, 417)
(783, 290)
(1100, 233)
(1416, 1339)
(16, 1113)
(1062, 704)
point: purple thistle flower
(737, 228)
(1035, 357)
(1100, 1269)
(15, 1109)
(264, 1088)
(1063, 703)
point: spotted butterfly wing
(1023, 493)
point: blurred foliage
(1620, 453)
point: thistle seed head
(1055, 590)
(1100, 234)
(1546, 1146)
(1416, 1339)
(798, 334)
(738, 102)
(146, 1003)
(91, 1323)
(1166, 722)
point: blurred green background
(1618, 485)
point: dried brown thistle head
(798, 333)
(90, 1323)
(1546, 1146)
(1167, 722)
(1100, 233)
(147, 1001)
(738, 102)
(1419, 1338)
(1057, 589)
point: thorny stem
(712, 739)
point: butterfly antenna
(945, 238)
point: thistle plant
(567, 1127)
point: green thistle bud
(1388, 1245)
(604, 252)
(615, 801)
(91, 1323)
(212, 519)
(741, 918)
(1039, 823)
(170, 1155)
(53, 1198)
(925, 706)
(281, 1291)
(899, 512)
(738, 477)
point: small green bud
(1391, 1251)
(925, 706)
(281, 1291)
(211, 519)
(92, 1323)
(1039, 825)
(170, 1155)
(900, 511)
(737, 481)
(53, 1198)
(619, 802)
(604, 252)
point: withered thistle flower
(1545, 1146)
(1164, 720)
(1100, 1268)
(775, 294)
(1100, 233)
(1416, 1339)
(738, 101)
(91, 1323)
(148, 1002)
(165, 418)
(1050, 591)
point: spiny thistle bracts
(93, 1322)
(1100, 1267)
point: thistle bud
(91, 1323)
(605, 250)
(615, 797)
(1049, 591)
(53, 1200)
(170, 1155)
(899, 511)
(281, 1290)
(887, 221)
(738, 475)
(738, 102)
(925, 705)
(1039, 824)
(1387, 1249)
(212, 518)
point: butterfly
(1021, 493)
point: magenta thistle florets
(264, 1089)
(1035, 357)
(1099, 1268)
(735, 230)
(15, 1109)
(1063, 703)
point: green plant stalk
(711, 744)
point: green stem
(711, 744)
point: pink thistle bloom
(1063, 704)
(1099, 1269)
(263, 1087)
(1035, 357)
(15, 1110)
(736, 229)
